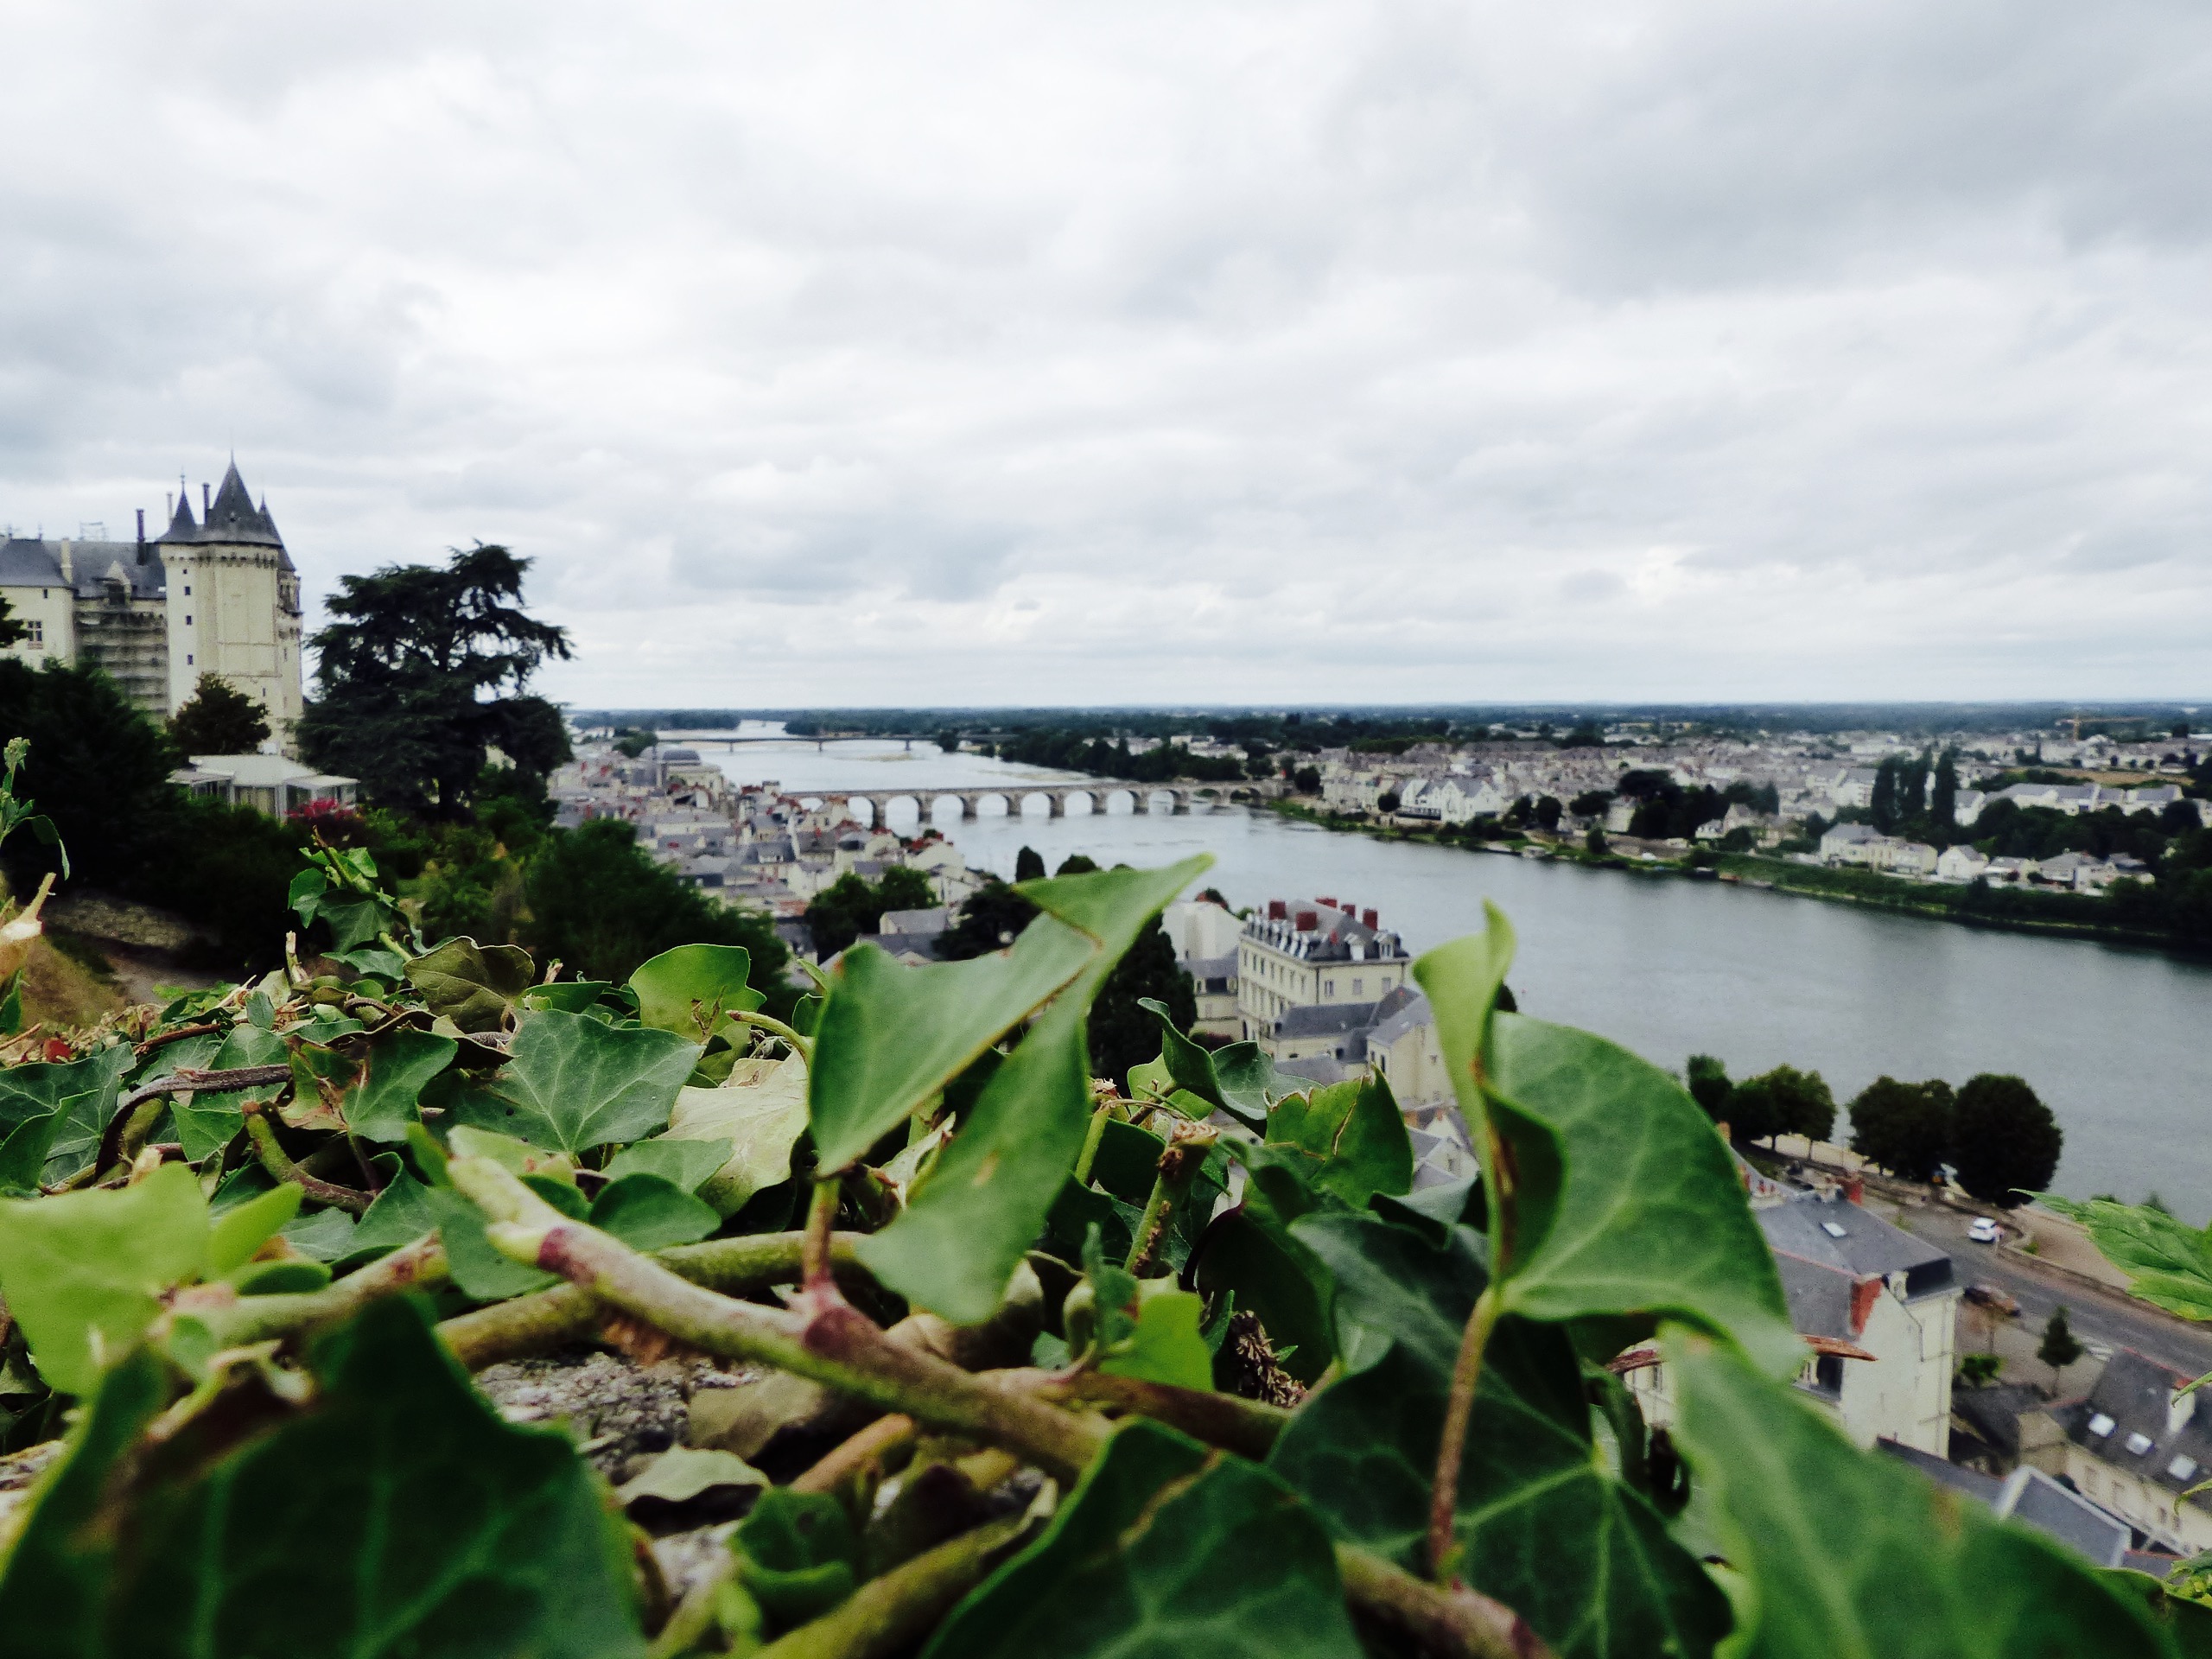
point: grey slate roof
(2034, 1499)
(1867, 1243)
(1324, 1020)
(2134, 1393)
(1399, 1012)
(1994, 1412)
(232, 518)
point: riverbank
(2052, 914)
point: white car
(1982, 1231)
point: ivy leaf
(1238, 1077)
(81, 1096)
(83, 1273)
(400, 1215)
(760, 1111)
(1542, 1526)
(2169, 1262)
(207, 1123)
(1166, 1346)
(892, 1037)
(1619, 1201)
(235, 1235)
(471, 984)
(395, 1515)
(355, 919)
(574, 1083)
(1353, 1135)
(1848, 1554)
(1277, 1280)
(478, 1267)
(567, 995)
(648, 1213)
(796, 1552)
(374, 1084)
(969, 1220)
(682, 1473)
(692, 989)
(1165, 1547)
(685, 1164)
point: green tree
(597, 903)
(2059, 1348)
(1979, 1371)
(1943, 805)
(13, 630)
(1307, 780)
(217, 719)
(1883, 808)
(992, 919)
(1387, 802)
(1707, 1079)
(1028, 865)
(422, 671)
(1594, 843)
(98, 767)
(2004, 1142)
(1784, 1101)
(1077, 864)
(1591, 803)
(1547, 813)
(949, 740)
(1904, 1127)
(1121, 1033)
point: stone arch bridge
(1100, 796)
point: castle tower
(233, 603)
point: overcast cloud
(855, 353)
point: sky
(851, 354)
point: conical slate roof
(183, 527)
(233, 518)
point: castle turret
(233, 601)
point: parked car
(1983, 1230)
(1993, 1299)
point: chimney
(141, 526)
(1328, 904)
(1307, 921)
(1863, 1293)
(1367, 917)
(206, 499)
(1854, 1190)
(1276, 911)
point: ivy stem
(1459, 1623)
(886, 1615)
(1247, 1428)
(830, 1343)
(687, 1626)
(547, 1318)
(245, 1320)
(802, 1047)
(1093, 1139)
(1458, 1407)
(278, 1163)
(878, 1441)
(821, 1224)
(1179, 1167)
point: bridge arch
(1119, 802)
(993, 804)
(1070, 797)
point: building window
(187, 590)
(1359, 988)
(1329, 987)
(188, 659)
(36, 635)
(187, 618)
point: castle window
(36, 639)
(187, 590)
(188, 659)
(187, 618)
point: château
(217, 594)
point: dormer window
(2138, 1444)
(2182, 1468)
(2101, 1426)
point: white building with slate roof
(217, 594)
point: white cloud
(987, 352)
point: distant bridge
(1098, 795)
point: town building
(270, 784)
(217, 594)
(2137, 1445)
(1878, 1307)
(1313, 954)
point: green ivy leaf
(648, 1213)
(969, 1220)
(795, 1554)
(1622, 1205)
(83, 1273)
(2169, 1262)
(471, 984)
(234, 1235)
(80, 1096)
(1238, 1077)
(1851, 1555)
(1542, 1526)
(574, 1083)
(760, 1111)
(1353, 1136)
(395, 1516)
(378, 1082)
(1277, 1280)
(685, 1164)
(207, 1123)
(682, 1473)
(1166, 1346)
(567, 995)
(478, 1267)
(693, 989)
(1164, 1547)
(892, 1037)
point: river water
(2111, 1036)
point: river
(2109, 1035)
